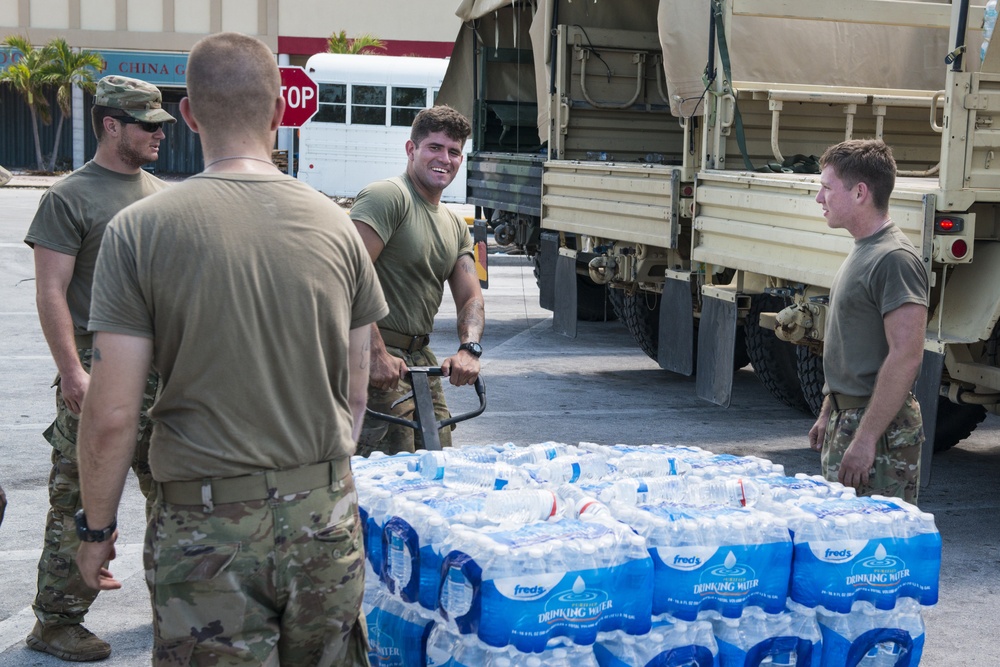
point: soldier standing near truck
(869, 428)
(417, 244)
(66, 235)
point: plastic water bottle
(670, 642)
(728, 491)
(522, 506)
(441, 644)
(545, 451)
(989, 21)
(883, 637)
(786, 638)
(584, 506)
(644, 490)
(458, 474)
(649, 464)
(570, 469)
(432, 460)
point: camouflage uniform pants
(377, 435)
(262, 582)
(896, 472)
(62, 597)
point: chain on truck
(657, 160)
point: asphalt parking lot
(541, 386)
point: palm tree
(339, 43)
(69, 68)
(27, 76)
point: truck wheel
(811, 378)
(774, 360)
(640, 313)
(955, 423)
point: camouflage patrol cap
(137, 98)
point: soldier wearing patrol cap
(66, 235)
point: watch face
(474, 348)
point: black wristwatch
(84, 532)
(475, 349)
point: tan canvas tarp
(798, 52)
(489, 24)
(773, 51)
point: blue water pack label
(527, 611)
(834, 574)
(395, 641)
(689, 579)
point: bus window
(332, 103)
(368, 105)
(406, 104)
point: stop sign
(301, 96)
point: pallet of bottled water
(593, 555)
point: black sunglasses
(147, 126)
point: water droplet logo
(730, 568)
(881, 560)
(578, 593)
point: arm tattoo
(97, 354)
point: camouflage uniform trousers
(62, 597)
(261, 582)
(896, 471)
(377, 435)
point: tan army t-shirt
(422, 243)
(882, 272)
(248, 285)
(71, 218)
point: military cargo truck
(673, 162)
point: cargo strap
(845, 402)
(258, 486)
(741, 140)
(405, 342)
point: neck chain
(237, 157)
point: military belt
(404, 342)
(258, 486)
(84, 341)
(845, 402)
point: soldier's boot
(68, 642)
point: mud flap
(564, 313)
(547, 255)
(927, 391)
(675, 345)
(716, 346)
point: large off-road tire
(640, 313)
(774, 360)
(955, 423)
(811, 378)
